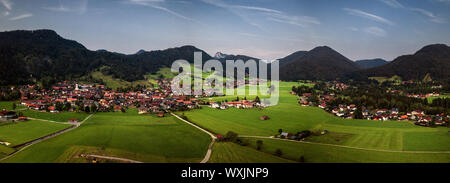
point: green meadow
(128, 135)
(227, 152)
(291, 117)
(430, 99)
(317, 153)
(7, 105)
(58, 117)
(5, 150)
(24, 131)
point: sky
(265, 29)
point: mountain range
(43, 54)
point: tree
(259, 144)
(302, 159)
(93, 108)
(67, 106)
(231, 136)
(257, 100)
(358, 113)
(278, 152)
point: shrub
(231, 136)
(302, 159)
(278, 152)
(259, 144)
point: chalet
(72, 100)
(117, 108)
(214, 105)
(223, 106)
(365, 112)
(264, 117)
(52, 109)
(394, 111)
(304, 103)
(161, 114)
(417, 112)
(8, 115)
(323, 105)
(403, 117)
(74, 120)
(23, 118)
(439, 122)
(143, 110)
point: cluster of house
(347, 111)
(6, 115)
(420, 118)
(243, 104)
(152, 100)
(422, 96)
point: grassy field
(430, 99)
(21, 132)
(59, 117)
(5, 150)
(316, 153)
(227, 152)
(291, 117)
(115, 82)
(7, 105)
(138, 137)
(383, 79)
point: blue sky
(266, 29)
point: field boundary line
(213, 138)
(45, 138)
(350, 147)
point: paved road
(28, 144)
(350, 147)
(113, 158)
(213, 137)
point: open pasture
(128, 135)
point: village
(344, 109)
(70, 96)
(90, 98)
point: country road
(213, 138)
(28, 144)
(112, 158)
(350, 147)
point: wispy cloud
(21, 16)
(354, 29)
(392, 3)
(156, 5)
(433, 18)
(6, 13)
(81, 9)
(257, 9)
(370, 16)
(7, 4)
(293, 20)
(375, 31)
(270, 14)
